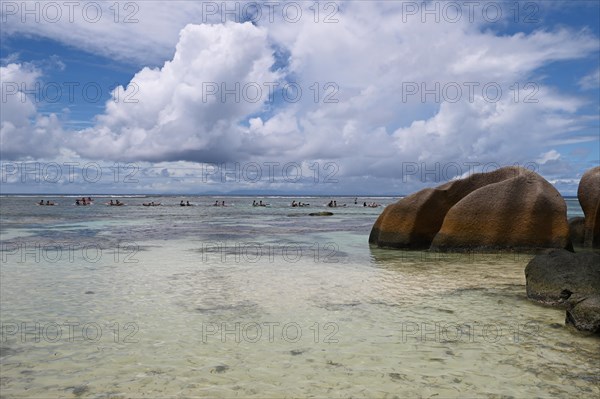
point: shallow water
(250, 302)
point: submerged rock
(321, 214)
(568, 280)
(588, 194)
(510, 208)
(585, 315)
(560, 277)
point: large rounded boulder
(509, 208)
(588, 194)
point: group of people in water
(298, 204)
(371, 205)
(294, 204)
(84, 201)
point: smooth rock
(563, 278)
(588, 194)
(511, 208)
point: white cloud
(142, 31)
(174, 117)
(551, 155)
(24, 133)
(591, 81)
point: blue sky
(354, 115)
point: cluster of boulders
(510, 209)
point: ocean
(242, 301)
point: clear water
(245, 301)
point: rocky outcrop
(568, 280)
(588, 194)
(510, 208)
(577, 231)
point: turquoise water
(243, 301)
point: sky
(294, 97)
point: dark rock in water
(510, 208)
(79, 390)
(577, 230)
(560, 277)
(89, 292)
(321, 214)
(588, 194)
(585, 315)
(220, 369)
(569, 280)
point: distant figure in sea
(355, 201)
(216, 203)
(77, 201)
(223, 203)
(294, 204)
(187, 203)
(181, 203)
(111, 202)
(364, 204)
(41, 202)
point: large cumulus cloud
(366, 59)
